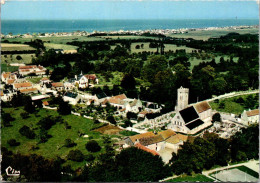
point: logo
(12, 172)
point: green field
(53, 147)
(11, 58)
(193, 178)
(205, 34)
(126, 37)
(6, 68)
(230, 106)
(194, 61)
(59, 46)
(167, 48)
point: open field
(15, 47)
(206, 34)
(53, 147)
(193, 178)
(11, 58)
(167, 48)
(6, 68)
(230, 106)
(126, 37)
(194, 61)
(59, 46)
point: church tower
(182, 98)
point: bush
(75, 155)
(7, 118)
(47, 122)
(69, 143)
(89, 157)
(216, 117)
(93, 146)
(13, 142)
(24, 115)
(111, 119)
(27, 132)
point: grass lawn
(205, 34)
(53, 147)
(15, 47)
(59, 46)
(193, 178)
(230, 105)
(8, 58)
(34, 80)
(6, 68)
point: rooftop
(202, 106)
(252, 112)
(188, 114)
(139, 136)
(167, 133)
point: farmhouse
(249, 117)
(57, 86)
(83, 81)
(8, 77)
(32, 69)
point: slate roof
(101, 95)
(167, 133)
(139, 146)
(151, 140)
(202, 106)
(253, 112)
(71, 95)
(194, 124)
(188, 114)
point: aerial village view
(129, 91)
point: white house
(83, 81)
(249, 117)
(57, 86)
(72, 98)
(8, 77)
(204, 110)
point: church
(190, 119)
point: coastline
(126, 32)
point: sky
(148, 9)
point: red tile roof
(59, 84)
(22, 85)
(253, 112)
(44, 79)
(28, 90)
(28, 67)
(117, 99)
(45, 103)
(91, 76)
(10, 81)
(6, 74)
(2, 93)
(139, 146)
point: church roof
(188, 114)
(194, 124)
(202, 106)
(252, 113)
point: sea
(52, 26)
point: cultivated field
(205, 34)
(193, 178)
(59, 46)
(6, 68)
(15, 47)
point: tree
(93, 146)
(6, 119)
(142, 46)
(137, 46)
(43, 135)
(69, 143)
(64, 108)
(128, 123)
(111, 119)
(24, 115)
(28, 106)
(27, 132)
(128, 82)
(216, 117)
(47, 122)
(18, 57)
(75, 155)
(13, 142)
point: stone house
(250, 117)
(57, 86)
